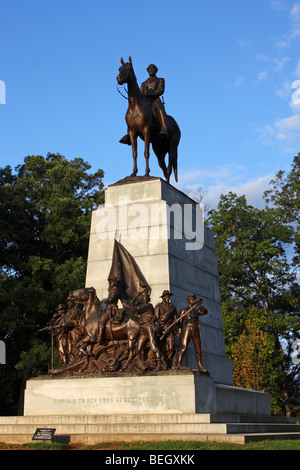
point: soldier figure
(59, 328)
(148, 333)
(74, 318)
(112, 312)
(153, 88)
(191, 329)
(165, 313)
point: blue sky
(229, 68)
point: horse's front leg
(147, 154)
(133, 140)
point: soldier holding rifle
(191, 330)
(59, 327)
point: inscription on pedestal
(108, 400)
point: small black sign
(43, 434)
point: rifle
(51, 328)
(200, 301)
(46, 328)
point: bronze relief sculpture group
(136, 337)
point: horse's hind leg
(85, 347)
(173, 157)
(161, 153)
(133, 140)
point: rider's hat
(152, 65)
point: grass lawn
(157, 446)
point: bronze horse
(142, 123)
(129, 328)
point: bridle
(126, 97)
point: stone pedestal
(161, 393)
(175, 253)
(148, 394)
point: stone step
(145, 418)
(250, 428)
(121, 428)
(153, 428)
(150, 427)
(234, 418)
(109, 418)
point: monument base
(163, 392)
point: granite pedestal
(157, 394)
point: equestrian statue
(146, 118)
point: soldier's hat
(166, 292)
(192, 296)
(60, 307)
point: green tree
(285, 196)
(45, 211)
(258, 284)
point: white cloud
(274, 64)
(297, 71)
(262, 76)
(283, 134)
(294, 31)
(239, 81)
(244, 42)
(278, 4)
(286, 131)
(295, 12)
(284, 90)
(280, 63)
(218, 174)
(221, 180)
(289, 128)
(283, 44)
(295, 98)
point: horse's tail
(174, 142)
(174, 165)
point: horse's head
(124, 71)
(83, 294)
